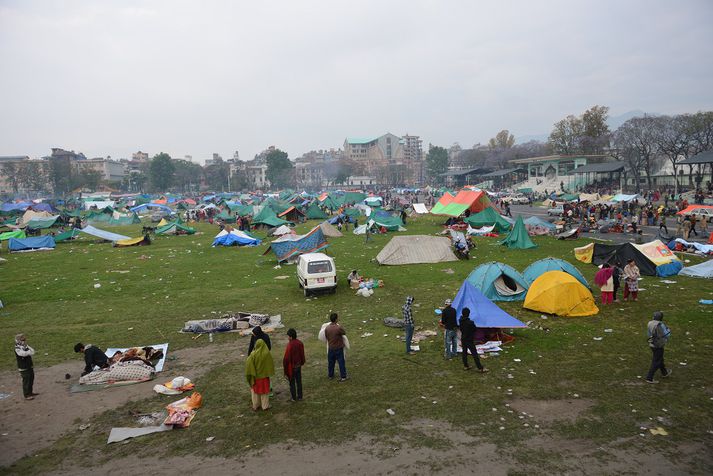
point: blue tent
(235, 237)
(540, 267)
(11, 207)
(536, 221)
(499, 282)
(289, 246)
(483, 311)
(33, 243)
(144, 206)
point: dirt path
(27, 426)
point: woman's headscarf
(259, 363)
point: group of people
(609, 277)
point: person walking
(258, 369)
(407, 314)
(23, 354)
(292, 364)
(449, 321)
(334, 333)
(467, 340)
(658, 334)
(631, 280)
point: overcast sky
(113, 77)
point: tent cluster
(549, 285)
(652, 259)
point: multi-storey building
(110, 170)
(386, 157)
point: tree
(161, 172)
(673, 139)
(635, 141)
(187, 175)
(90, 179)
(595, 134)
(216, 174)
(279, 169)
(436, 163)
(502, 140)
(566, 135)
(9, 171)
(239, 180)
(61, 175)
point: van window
(314, 267)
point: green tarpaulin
(452, 209)
(268, 217)
(19, 234)
(42, 223)
(329, 203)
(391, 223)
(352, 212)
(226, 217)
(489, 217)
(67, 235)
(313, 212)
(175, 228)
(518, 238)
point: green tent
(391, 223)
(175, 228)
(42, 223)
(67, 235)
(350, 198)
(132, 219)
(330, 203)
(352, 212)
(313, 212)
(489, 217)
(267, 217)
(226, 217)
(518, 238)
(19, 234)
(568, 197)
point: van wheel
(333, 290)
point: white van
(316, 272)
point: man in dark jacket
(24, 353)
(658, 335)
(449, 321)
(467, 340)
(93, 357)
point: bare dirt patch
(552, 410)
(27, 426)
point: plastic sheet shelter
(666, 263)
(315, 213)
(483, 311)
(235, 237)
(702, 270)
(499, 282)
(559, 293)
(464, 200)
(31, 243)
(103, 234)
(489, 217)
(540, 267)
(414, 249)
(267, 218)
(290, 246)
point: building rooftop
(601, 168)
(702, 158)
(361, 140)
(455, 173)
(7, 158)
(503, 172)
(556, 157)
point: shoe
(484, 370)
(411, 353)
(344, 379)
(664, 376)
(29, 398)
(35, 394)
(651, 381)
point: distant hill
(613, 121)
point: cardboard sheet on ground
(159, 365)
(121, 434)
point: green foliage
(584, 134)
(187, 176)
(161, 172)
(502, 140)
(279, 169)
(436, 163)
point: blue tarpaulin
(104, 235)
(151, 205)
(32, 243)
(293, 245)
(540, 267)
(235, 237)
(483, 311)
(10, 207)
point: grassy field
(147, 293)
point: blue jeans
(409, 336)
(451, 342)
(333, 356)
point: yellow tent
(163, 222)
(556, 292)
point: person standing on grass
(658, 335)
(258, 334)
(292, 364)
(467, 340)
(605, 280)
(23, 354)
(631, 280)
(334, 333)
(258, 369)
(449, 321)
(407, 314)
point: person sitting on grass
(93, 357)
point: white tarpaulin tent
(104, 235)
(420, 208)
(414, 249)
(99, 204)
(703, 270)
